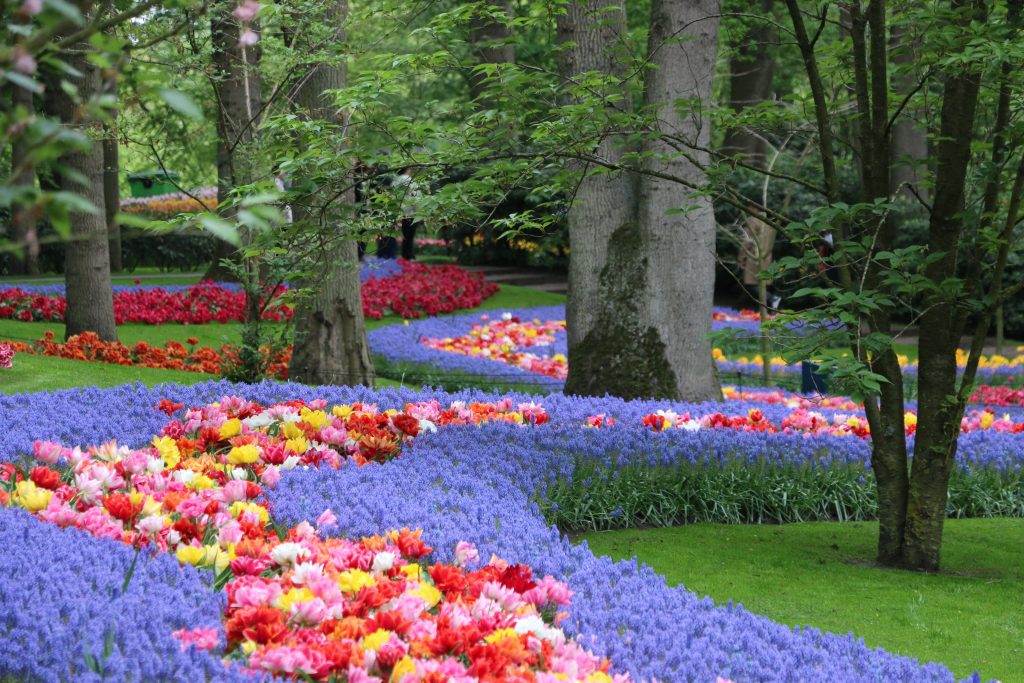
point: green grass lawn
(39, 373)
(969, 617)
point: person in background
(409, 193)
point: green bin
(152, 183)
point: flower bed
(422, 290)
(406, 289)
(173, 355)
(471, 484)
(533, 349)
(172, 203)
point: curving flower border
(460, 483)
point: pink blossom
(326, 519)
(248, 37)
(466, 554)
(270, 476)
(202, 638)
(26, 64)
(247, 11)
(31, 7)
(47, 451)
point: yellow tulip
(230, 428)
(190, 554)
(31, 497)
(244, 455)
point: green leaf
(65, 9)
(219, 228)
(181, 103)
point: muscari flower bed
(76, 604)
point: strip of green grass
(969, 617)
(41, 373)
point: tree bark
(90, 302)
(938, 423)
(112, 189)
(237, 88)
(23, 229)
(490, 45)
(330, 332)
(647, 332)
(751, 69)
(909, 136)
(679, 249)
(589, 33)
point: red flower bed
(172, 355)
(424, 291)
(419, 290)
(1001, 396)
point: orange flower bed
(173, 355)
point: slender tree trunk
(676, 259)
(23, 216)
(112, 193)
(751, 69)
(330, 333)
(938, 423)
(90, 303)
(490, 45)
(238, 90)
(909, 137)
(589, 34)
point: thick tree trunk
(648, 332)
(676, 258)
(23, 230)
(909, 137)
(589, 33)
(90, 303)
(751, 69)
(490, 45)
(238, 90)
(330, 333)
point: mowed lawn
(970, 616)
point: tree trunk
(237, 87)
(751, 69)
(589, 33)
(938, 424)
(330, 333)
(909, 137)
(647, 335)
(490, 44)
(676, 253)
(90, 303)
(112, 196)
(23, 231)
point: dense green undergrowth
(599, 497)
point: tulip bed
(173, 355)
(484, 482)
(405, 289)
(528, 347)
